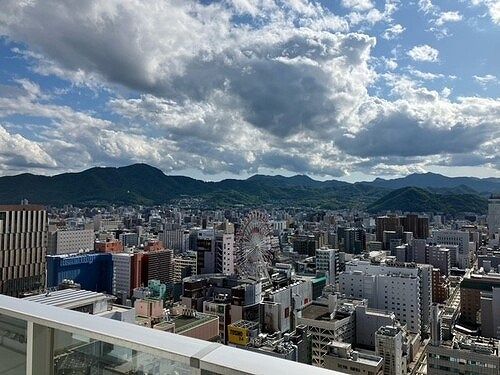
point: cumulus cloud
(445, 17)
(197, 86)
(393, 31)
(424, 53)
(360, 5)
(20, 154)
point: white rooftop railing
(201, 357)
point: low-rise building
(341, 357)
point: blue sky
(345, 89)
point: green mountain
(421, 200)
(143, 184)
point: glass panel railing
(75, 354)
(13, 340)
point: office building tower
(67, 241)
(224, 252)
(184, 266)
(23, 247)
(417, 225)
(351, 240)
(404, 288)
(93, 271)
(205, 251)
(327, 262)
(389, 346)
(471, 288)
(161, 266)
(122, 274)
(175, 239)
(490, 313)
(494, 215)
(439, 257)
(305, 245)
(459, 238)
(440, 288)
(388, 223)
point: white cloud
(493, 7)
(393, 32)
(424, 53)
(446, 17)
(20, 154)
(193, 90)
(426, 6)
(428, 76)
(359, 5)
(486, 79)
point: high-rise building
(23, 247)
(161, 266)
(69, 241)
(471, 288)
(417, 225)
(404, 288)
(175, 239)
(205, 251)
(351, 240)
(389, 346)
(184, 266)
(224, 252)
(327, 262)
(387, 223)
(122, 274)
(494, 215)
(459, 238)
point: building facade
(23, 247)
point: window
(12, 346)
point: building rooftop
(69, 298)
(21, 207)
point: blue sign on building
(93, 271)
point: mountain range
(144, 184)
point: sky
(343, 89)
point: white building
(389, 345)
(459, 238)
(65, 241)
(175, 239)
(403, 288)
(224, 244)
(122, 277)
(327, 263)
(494, 215)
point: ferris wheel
(254, 250)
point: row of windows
(22, 221)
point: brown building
(419, 226)
(23, 247)
(108, 246)
(139, 270)
(440, 290)
(161, 266)
(388, 223)
(470, 295)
